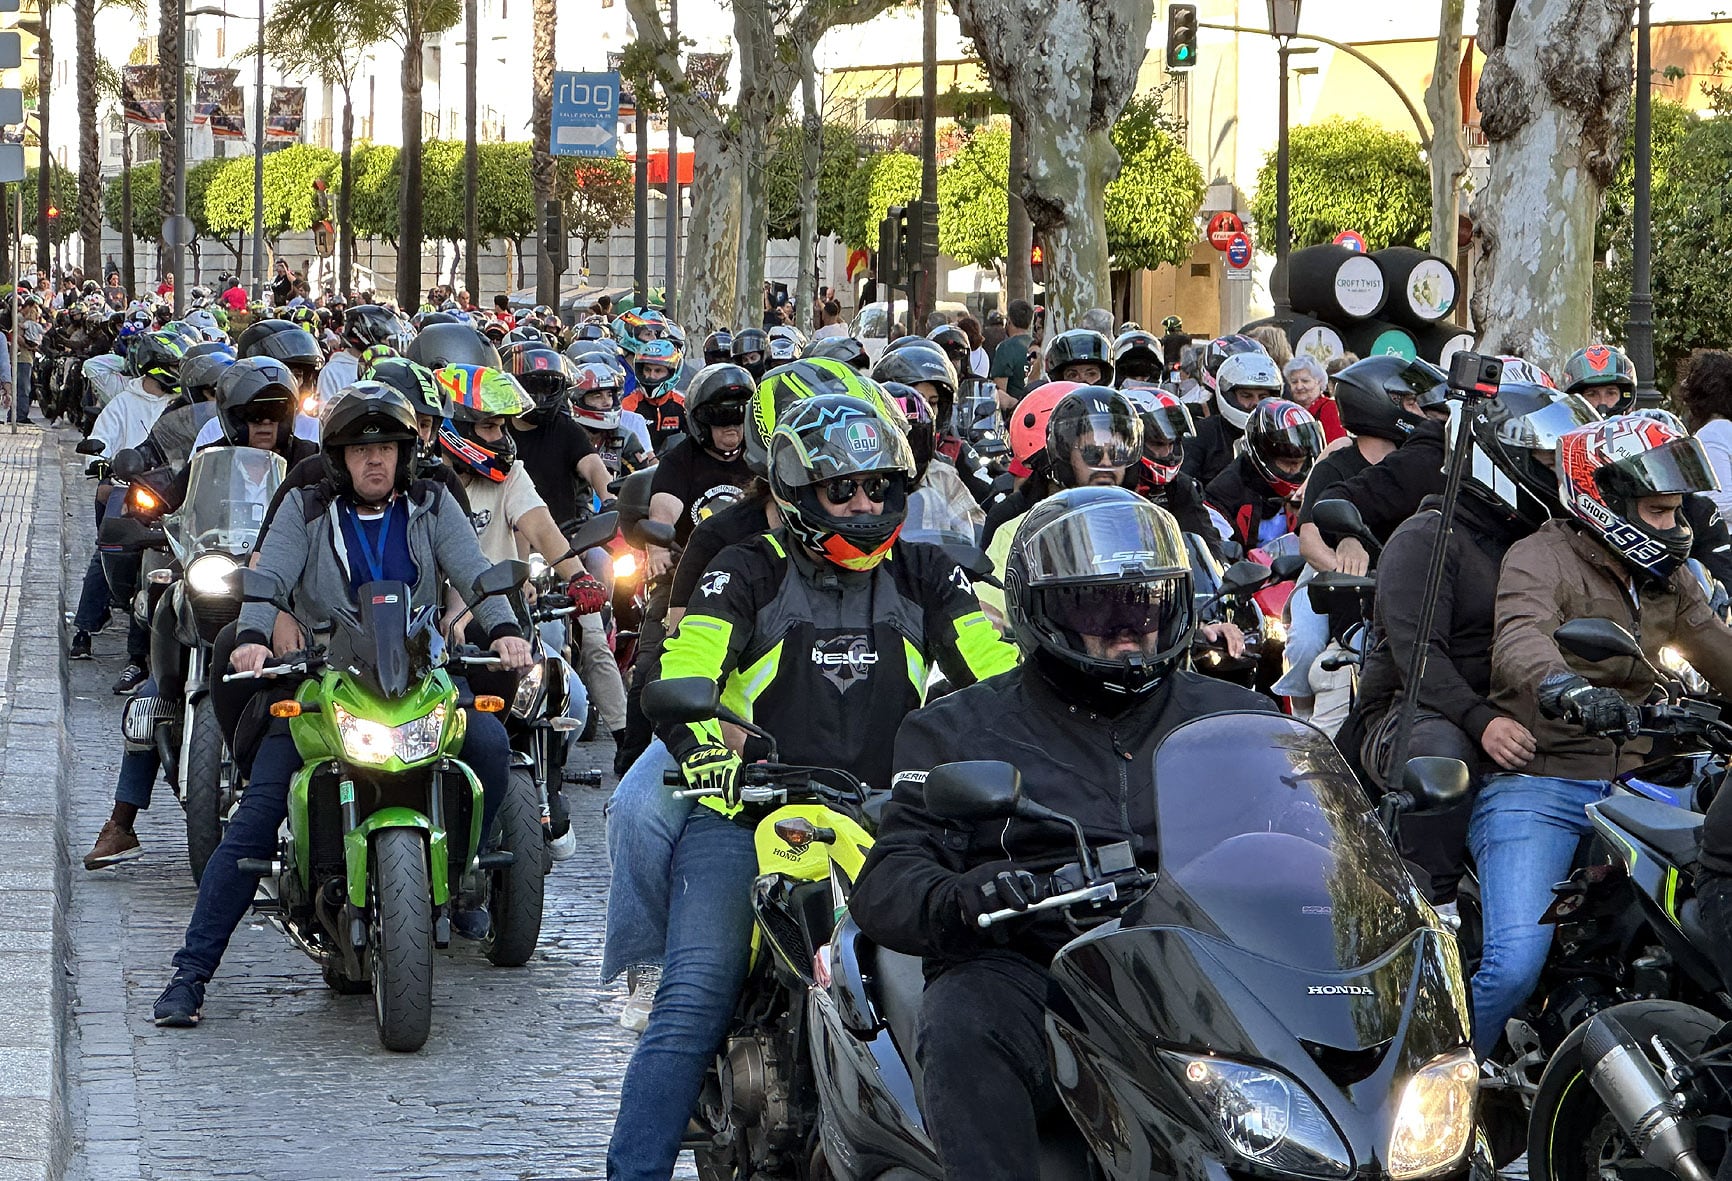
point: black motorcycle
(1272, 997)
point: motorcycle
(384, 821)
(1275, 999)
(757, 1111)
(1232, 596)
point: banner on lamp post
(208, 91)
(228, 119)
(141, 96)
(283, 117)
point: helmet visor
(1157, 607)
(848, 446)
(1166, 424)
(727, 412)
(1105, 541)
(1680, 466)
(1098, 440)
(1542, 428)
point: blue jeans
(138, 768)
(225, 893)
(1524, 834)
(644, 820)
(93, 601)
(21, 388)
(709, 948)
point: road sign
(1222, 227)
(178, 230)
(585, 114)
(11, 51)
(1239, 252)
(1352, 239)
(11, 163)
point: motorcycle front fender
(357, 840)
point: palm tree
(415, 21)
(541, 122)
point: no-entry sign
(1352, 239)
(1222, 227)
(1239, 251)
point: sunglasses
(841, 490)
(1115, 454)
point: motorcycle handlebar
(1104, 892)
(274, 670)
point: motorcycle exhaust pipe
(1638, 1099)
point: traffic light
(1036, 272)
(891, 232)
(553, 233)
(922, 229)
(54, 213)
(1181, 37)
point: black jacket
(1457, 681)
(1183, 497)
(1208, 454)
(1094, 768)
(1389, 492)
(1244, 497)
(1712, 545)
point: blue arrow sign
(585, 114)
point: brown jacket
(1561, 573)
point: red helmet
(1166, 420)
(1604, 469)
(1028, 423)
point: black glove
(999, 885)
(1596, 709)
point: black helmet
(1278, 431)
(156, 355)
(1079, 346)
(256, 389)
(835, 444)
(546, 375)
(368, 412)
(1097, 424)
(718, 347)
(748, 342)
(902, 342)
(913, 364)
(954, 342)
(592, 329)
(370, 324)
(287, 342)
(718, 396)
(1507, 432)
(1102, 563)
(425, 320)
(845, 349)
(1371, 392)
(439, 345)
(199, 374)
(414, 382)
(1137, 357)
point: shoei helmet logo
(1339, 990)
(862, 437)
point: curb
(35, 763)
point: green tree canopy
(882, 180)
(1348, 175)
(442, 186)
(505, 195)
(288, 191)
(146, 199)
(599, 195)
(974, 199)
(63, 192)
(374, 198)
(839, 152)
(1152, 207)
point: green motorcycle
(384, 820)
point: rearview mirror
(1338, 517)
(1287, 567)
(128, 463)
(1596, 640)
(89, 447)
(598, 530)
(655, 533)
(1435, 783)
(501, 578)
(971, 792)
(1244, 576)
(126, 534)
(681, 699)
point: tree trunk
(345, 220)
(128, 249)
(168, 52)
(89, 138)
(1018, 278)
(1448, 145)
(1067, 68)
(712, 237)
(541, 136)
(1553, 101)
(812, 126)
(409, 196)
(754, 227)
(44, 162)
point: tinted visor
(1106, 609)
(1166, 424)
(1418, 380)
(1301, 442)
(1098, 440)
(547, 389)
(270, 408)
(1541, 429)
(1680, 466)
(1105, 540)
(728, 412)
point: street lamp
(177, 227)
(1283, 26)
(1641, 330)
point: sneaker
(472, 924)
(643, 982)
(113, 844)
(564, 847)
(80, 649)
(178, 1006)
(131, 677)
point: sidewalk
(34, 757)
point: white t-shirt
(495, 510)
(343, 369)
(979, 362)
(306, 427)
(830, 330)
(1716, 437)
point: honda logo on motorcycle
(1339, 990)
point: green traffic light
(1184, 52)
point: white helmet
(206, 322)
(1244, 371)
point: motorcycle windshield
(387, 645)
(228, 490)
(1267, 836)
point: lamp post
(1283, 26)
(259, 162)
(1641, 333)
(177, 228)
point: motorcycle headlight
(625, 567)
(373, 744)
(1265, 1117)
(1434, 1124)
(528, 692)
(209, 575)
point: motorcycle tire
(400, 943)
(203, 780)
(515, 899)
(1571, 1135)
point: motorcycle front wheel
(516, 895)
(203, 780)
(400, 943)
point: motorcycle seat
(1672, 832)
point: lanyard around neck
(375, 557)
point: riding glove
(713, 767)
(587, 594)
(1595, 708)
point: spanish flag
(857, 261)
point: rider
(1604, 376)
(171, 436)
(657, 397)
(1621, 558)
(706, 466)
(833, 580)
(750, 349)
(1100, 603)
(620, 436)
(1080, 355)
(928, 369)
(369, 521)
(1137, 359)
(1242, 380)
(364, 326)
(1257, 493)
(1161, 479)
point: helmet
(526, 334)
(788, 332)
(546, 376)
(427, 317)
(90, 287)
(591, 329)
(188, 333)
(1507, 430)
(477, 394)
(717, 397)
(1371, 395)
(747, 343)
(902, 342)
(205, 321)
(374, 353)
(439, 345)
(1653, 412)
(783, 349)
(807, 378)
(494, 330)
(922, 427)
(659, 351)
(1517, 371)
(1282, 430)
(1137, 356)
(637, 327)
(588, 376)
(1099, 562)
(1605, 468)
(1218, 350)
(1247, 371)
(156, 355)
(255, 389)
(368, 412)
(305, 316)
(913, 365)
(370, 324)
(289, 343)
(415, 382)
(1166, 423)
(1078, 346)
(819, 444)
(1602, 365)
(718, 347)
(1097, 424)
(846, 349)
(1028, 424)
(199, 375)
(954, 342)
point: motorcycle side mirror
(1338, 517)
(1287, 567)
(1597, 640)
(128, 463)
(89, 447)
(127, 534)
(598, 530)
(681, 699)
(972, 792)
(501, 578)
(1435, 783)
(1244, 576)
(654, 533)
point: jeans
(709, 944)
(225, 893)
(1524, 834)
(644, 821)
(21, 388)
(1307, 636)
(138, 768)
(93, 601)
